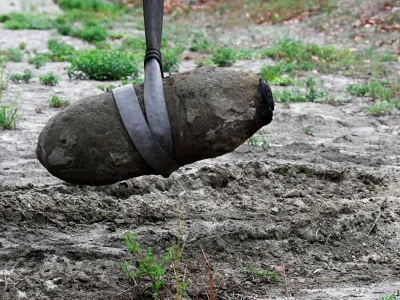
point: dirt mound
(327, 225)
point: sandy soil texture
(326, 204)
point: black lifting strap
(150, 132)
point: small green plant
(244, 54)
(60, 51)
(258, 141)
(49, 79)
(201, 43)
(14, 54)
(103, 65)
(25, 77)
(312, 94)
(271, 275)
(170, 61)
(224, 57)
(273, 75)
(297, 55)
(107, 89)
(308, 130)
(9, 115)
(91, 33)
(154, 268)
(22, 45)
(391, 297)
(380, 108)
(65, 29)
(287, 96)
(17, 21)
(204, 61)
(87, 5)
(358, 90)
(130, 44)
(148, 266)
(56, 102)
(39, 60)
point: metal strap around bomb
(136, 125)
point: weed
(25, 77)
(91, 33)
(273, 75)
(224, 57)
(258, 141)
(134, 82)
(211, 293)
(307, 57)
(201, 43)
(60, 51)
(17, 21)
(103, 65)
(39, 60)
(312, 94)
(130, 43)
(272, 11)
(22, 45)
(87, 5)
(65, 29)
(271, 275)
(244, 54)
(204, 61)
(56, 102)
(49, 79)
(14, 54)
(308, 130)
(380, 108)
(358, 90)
(170, 61)
(287, 96)
(391, 297)
(108, 88)
(147, 265)
(9, 115)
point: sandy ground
(326, 205)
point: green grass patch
(57, 102)
(391, 297)
(170, 60)
(39, 60)
(201, 42)
(49, 79)
(387, 93)
(91, 33)
(224, 57)
(271, 275)
(272, 11)
(17, 21)
(60, 51)
(298, 56)
(9, 112)
(103, 65)
(244, 54)
(24, 77)
(152, 268)
(311, 94)
(13, 54)
(258, 141)
(274, 75)
(88, 5)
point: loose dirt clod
(212, 111)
